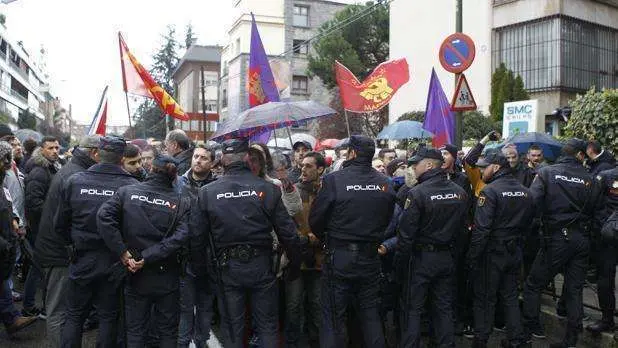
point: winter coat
(39, 174)
(184, 160)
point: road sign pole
(459, 114)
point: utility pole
(203, 87)
(458, 114)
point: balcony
(3, 56)
(19, 70)
(20, 97)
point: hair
(8, 138)
(384, 151)
(47, 139)
(109, 157)
(131, 151)
(29, 145)
(256, 158)
(280, 160)
(269, 160)
(319, 159)
(436, 162)
(568, 150)
(505, 150)
(169, 170)
(596, 146)
(535, 147)
(210, 151)
(229, 158)
(154, 150)
(180, 137)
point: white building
(559, 47)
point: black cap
(423, 153)
(363, 145)
(393, 165)
(235, 146)
(112, 144)
(163, 160)
(577, 144)
(304, 143)
(452, 149)
(493, 157)
(5, 130)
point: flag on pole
(378, 88)
(136, 80)
(262, 86)
(439, 119)
(99, 121)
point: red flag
(377, 89)
(136, 80)
(99, 122)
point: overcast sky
(80, 37)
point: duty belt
(368, 248)
(243, 253)
(432, 247)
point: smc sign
(521, 117)
(522, 109)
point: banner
(439, 119)
(99, 122)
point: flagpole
(126, 98)
(347, 122)
(289, 136)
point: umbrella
(551, 147)
(404, 130)
(327, 144)
(285, 142)
(270, 116)
(23, 134)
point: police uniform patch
(600, 178)
(407, 203)
(615, 184)
(481, 201)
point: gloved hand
(491, 136)
(288, 186)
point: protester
(51, 246)
(148, 155)
(132, 162)
(179, 146)
(387, 155)
(536, 159)
(599, 159)
(378, 165)
(29, 146)
(522, 173)
(300, 149)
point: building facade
(188, 80)
(558, 47)
(284, 26)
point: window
(299, 84)
(299, 47)
(301, 16)
(224, 98)
(238, 46)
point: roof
(198, 53)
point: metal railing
(19, 70)
(16, 94)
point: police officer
(434, 211)
(568, 199)
(81, 196)
(145, 225)
(504, 209)
(234, 217)
(350, 213)
(606, 258)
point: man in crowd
(9, 222)
(81, 197)
(350, 214)
(179, 146)
(300, 149)
(40, 171)
(522, 173)
(51, 247)
(599, 158)
(29, 146)
(387, 155)
(313, 166)
(196, 295)
(569, 202)
(378, 165)
(219, 224)
(132, 162)
(434, 212)
(148, 155)
(535, 157)
(504, 209)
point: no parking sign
(457, 53)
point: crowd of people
(154, 241)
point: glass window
(301, 16)
(299, 47)
(299, 84)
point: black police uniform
(434, 213)
(239, 211)
(568, 199)
(606, 256)
(504, 209)
(150, 221)
(350, 213)
(81, 196)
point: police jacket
(434, 212)
(81, 197)
(605, 161)
(50, 247)
(504, 210)
(523, 174)
(354, 204)
(189, 187)
(566, 195)
(240, 208)
(609, 188)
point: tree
(594, 115)
(418, 116)
(475, 124)
(505, 87)
(149, 119)
(26, 120)
(358, 37)
(190, 37)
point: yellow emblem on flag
(377, 91)
(255, 87)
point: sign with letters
(521, 117)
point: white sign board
(521, 117)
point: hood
(38, 160)
(184, 155)
(81, 158)
(604, 157)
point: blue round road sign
(457, 53)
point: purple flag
(439, 119)
(262, 87)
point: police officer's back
(434, 212)
(237, 213)
(350, 213)
(81, 196)
(568, 199)
(504, 210)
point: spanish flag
(136, 80)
